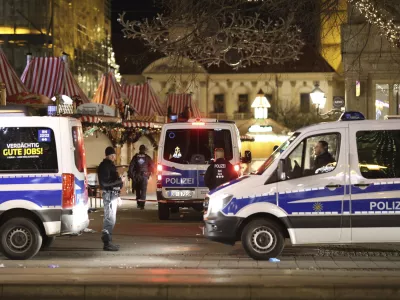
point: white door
(375, 181)
(314, 190)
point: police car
(354, 199)
(43, 187)
(186, 149)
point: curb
(212, 291)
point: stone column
(392, 101)
(229, 101)
(202, 101)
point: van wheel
(20, 239)
(163, 211)
(263, 239)
(47, 242)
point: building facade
(371, 67)
(80, 28)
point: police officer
(140, 169)
(111, 184)
(220, 171)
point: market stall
(51, 77)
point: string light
(386, 25)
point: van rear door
(188, 151)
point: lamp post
(260, 105)
(318, 97)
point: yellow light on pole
(261, 105)
(318, 97)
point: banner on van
(22, 150)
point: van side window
(379, 153)
(27, 150)
(196, 146)
(314, 155)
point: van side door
(313, 190)
(375, 181)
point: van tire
(20, 233)
(270, 243)
(47, 242)
(163, 211)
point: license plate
(180, 194)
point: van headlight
(219, 202)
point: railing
(242, 116)
(218, 116)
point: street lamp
(261, 105)
(318, 97)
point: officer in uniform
(220, 171)
(111, 184)
(140, 169)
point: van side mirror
(247, 157)
(281, 170)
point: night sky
(125, 49)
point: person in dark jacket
(322, 156)
(140, 169)
(111, 184)
(220, 171)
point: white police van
(186, 149)
(43, 188)
(355, 199)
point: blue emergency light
(351, 116)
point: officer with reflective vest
(220, 171)
(140, 169)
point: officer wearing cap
(111, 184)
(140, 169)
(220, 171)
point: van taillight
(237, 168)
(159, 176)
(68, 190)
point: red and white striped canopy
(144, 99)
(8, 76)
(178, 102)
(50, 76)
(109, 91)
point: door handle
(362, 185)
(202, 174)
(333, 186)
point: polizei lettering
(385, 205)
(182, 181)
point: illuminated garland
(117, 133)
(377, 18)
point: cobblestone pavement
(147, 242)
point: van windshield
(276, 154)
(196, 146)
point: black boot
(114, 244)
(110, 247)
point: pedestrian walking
(140, 170)
(111, 184)
(220, 171)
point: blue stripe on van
(337, 206)
(40, 198)
(30, 180)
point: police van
(43, 188)
(186, 150)
(354, 198)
